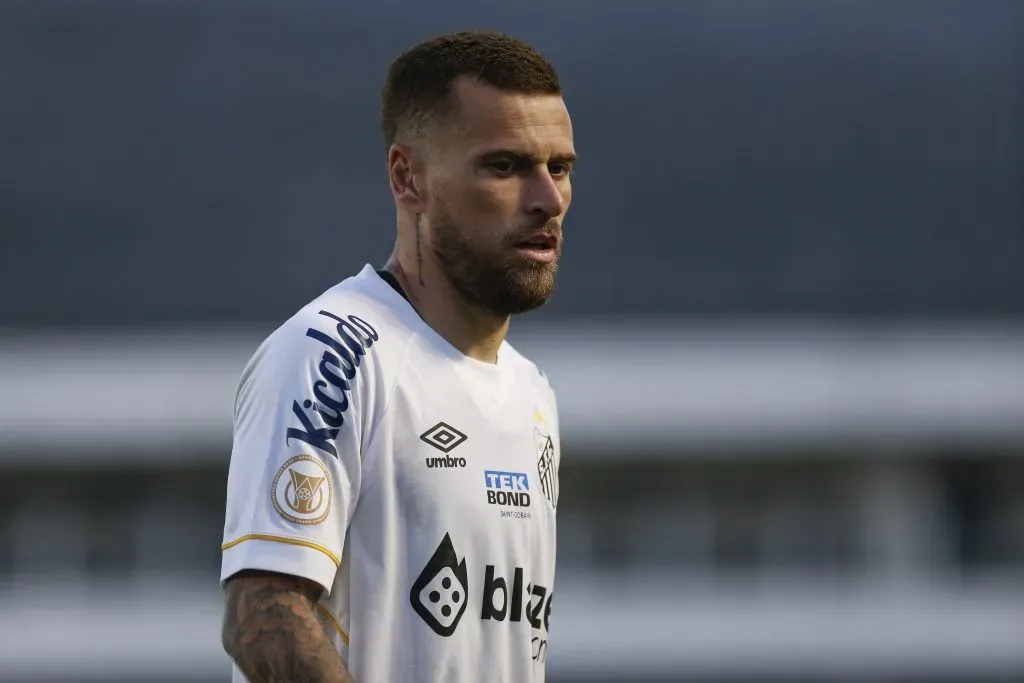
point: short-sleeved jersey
(416, 485)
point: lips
(539, 241)
(540, 248)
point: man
(394, 473)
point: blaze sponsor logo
(439, 594)
(336, 372)
(503, 599)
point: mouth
(540, 247)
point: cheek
(486, 202)
(566, 195)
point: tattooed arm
(272, 633)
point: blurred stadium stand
(789, 338)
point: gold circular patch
(303, 490)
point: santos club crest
(546, 466)
(302, 490)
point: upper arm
(296, 466)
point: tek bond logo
(507, 488)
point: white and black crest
(546, 466)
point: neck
(474, 332)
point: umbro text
(446, 461)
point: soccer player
(393, 480)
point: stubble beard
(492, 278)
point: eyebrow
(567, 158)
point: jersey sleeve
(296, 465)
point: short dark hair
(418, 85)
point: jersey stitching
(334, 622)
(283, 539)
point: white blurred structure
(620, 385)
(884, 407)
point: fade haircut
(418, 88)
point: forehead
(488, 118)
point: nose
(544, 195)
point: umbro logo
(444, 438)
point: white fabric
(438, 566)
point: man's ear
(406, 177)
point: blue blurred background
(788, 338)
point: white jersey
(418, 486)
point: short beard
(486, 278)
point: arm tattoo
(272, 632)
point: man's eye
(559, 170)
(502, 166)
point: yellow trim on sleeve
(337, 626)
(283, 539)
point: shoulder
(351, 323)
(348, 342)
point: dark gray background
(179, 162)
